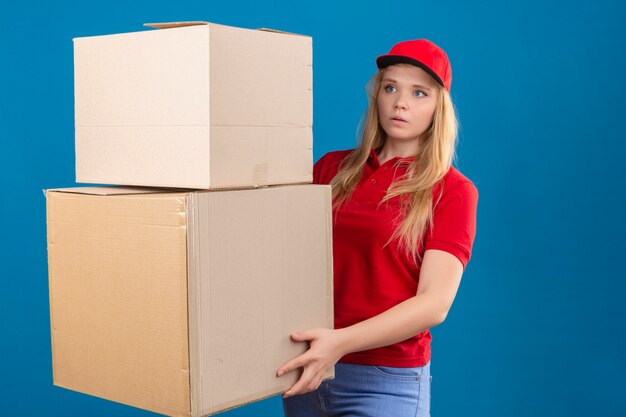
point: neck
(392, 149)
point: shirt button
(373, 180)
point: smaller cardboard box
(183, 302)
(194, 105)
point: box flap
(281, 31)
(169, 25)
(115, 190)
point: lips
(399, 119)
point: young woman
(404, 221)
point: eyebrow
(414, 85)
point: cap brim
(387, 60)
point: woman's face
(406, 102)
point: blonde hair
(415, 188)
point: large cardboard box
(194, 105)
(182, 303)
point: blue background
(537, 327)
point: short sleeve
(327, 166)
(454, 222)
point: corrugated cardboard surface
(260, 78)
(270, 152)
(115, 190)
(150, 105)
(118, 297)
(266, 274)
(183, 303)
(165, 156)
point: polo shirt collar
(375, 163)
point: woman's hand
(325, 350)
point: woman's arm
(439, 281)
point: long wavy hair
(414, 189)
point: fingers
(309, 381)
(295, 363)
(312, 361)
(304, 335)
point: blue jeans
(366, 391)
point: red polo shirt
(370, 278)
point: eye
(419, 93)
(390, 88)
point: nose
(400, 104)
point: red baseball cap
(421, 53)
